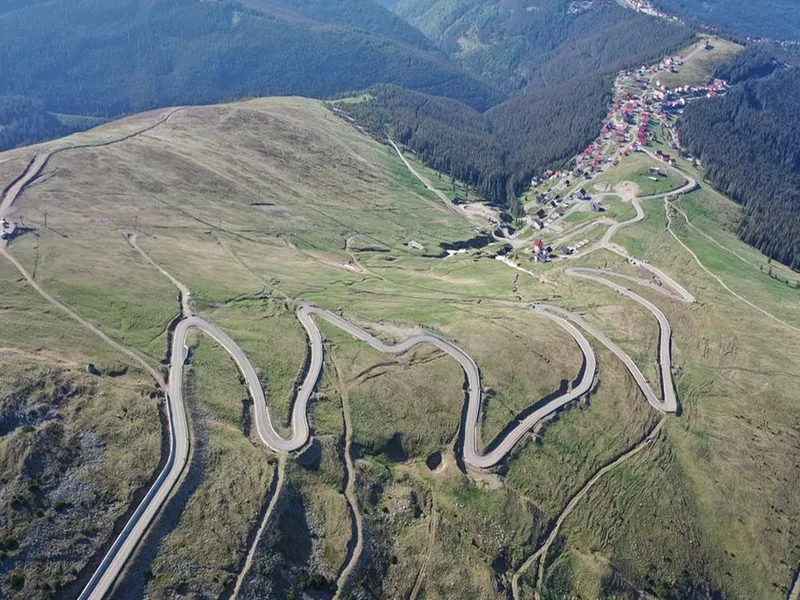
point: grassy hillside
(77, 450)
(260, 205)
(747, 144)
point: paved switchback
(134, 530)
(300, 427)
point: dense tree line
(495, 152)
(751, 63)
(360, 14)
(112, 57)
(748, 141)
(560, 58)
(25, 120)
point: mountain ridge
(106, 58)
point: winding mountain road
(106, 575)
(306, 314)
(125, 544)
(34, 168)
(472, 455)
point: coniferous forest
(494, 94)
(776, 19)
(108, 58)
(557, 63)
(495, 152)
(748, 141)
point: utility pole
(45, 219)
(136, 223)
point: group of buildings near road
(642, 99)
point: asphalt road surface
(472, 456)
(123, 548)
(112, 564)
(40, 160)
(31, 172)
(104, 578)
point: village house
(540, 252)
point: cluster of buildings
(668, 63)
(627, 125)
(675, 100)
(6, 229)
(625, 131)
(550, 207)
(627, 128)
(667, 158)
(646, 7)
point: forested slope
(495, 152)
(749, 145)
(557, 61)
(366, 15)
(521, 46)
(111, 57)
(777, 19)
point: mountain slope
(766, 18)
(495, 152)
(110, 57)
(527, 46)
(361, 14)
(748, 143)
(258, 206)
(556, 61)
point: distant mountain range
(105, 58)
(775, 19)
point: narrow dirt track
(280, 472)
(105, 577)
(350, 488)
(12, 192)
(432, 529)
(668, 401)
(718, 280)
(300, 426)
(114, 560)
(541, 554)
